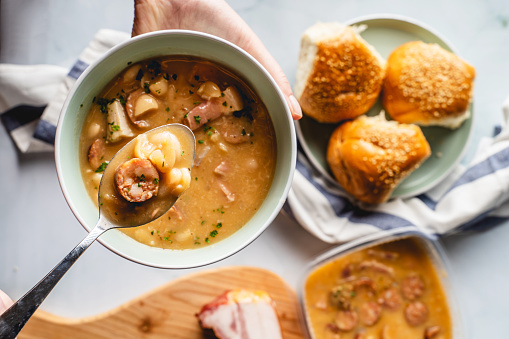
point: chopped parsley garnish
(185, 116)
(167, 109)
(142, 177)
(219, 225)
(200, 141)
(220, 210)
(213, 233)
(152, 232)
(181, 154)
(139, 75)
(122, 99)
(166, 76)
(174, 76)
(103, 104)
(191, 92)
(196, 102)
(225, 104)
(129, 62)
(81, 105)
(115, 127)
(155, 67)
(209, 133)
(246, 112)
(101, 167)
(243, 132)
(207, 240)
(202, 222)
(146, 88)
(196, 77)
(222, 94)
(156, 181)
(93, 100)
(139, 185)
(197, 119)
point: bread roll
(369, 156)
(427, 85)
(339, 75)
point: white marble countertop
(37, 229)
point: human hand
(215, 17)
(5, 302)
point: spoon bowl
(114, 212)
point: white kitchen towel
(31, 96)
(473, 196)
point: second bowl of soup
(245, 151)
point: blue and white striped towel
(472, 196)
(31, 96)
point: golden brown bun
(369, 156)
(427, 85)
(339, 75)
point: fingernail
(295, 107)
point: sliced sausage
(416, 313)
(391, 299)
(137, 180)
(412, 287)
(203, 113)
(346, 320)
(96, 153)
(369, 313)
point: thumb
(5, 302)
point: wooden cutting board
(169, 311)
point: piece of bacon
(241, 314)
(214, 108)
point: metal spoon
(13, 320)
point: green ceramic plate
(386, 33)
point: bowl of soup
(245, 143)
(392, 286)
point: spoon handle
(13, 320)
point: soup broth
(235, 152)
(387, 291)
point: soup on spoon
(140, 183)
(147, 175)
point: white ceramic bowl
(174, 42)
